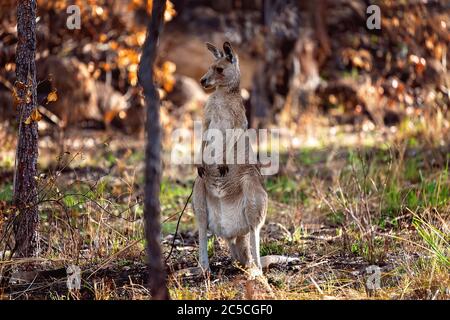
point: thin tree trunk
(157, 274)
(318, 11)
(25, 184)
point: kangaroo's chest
(220, 124)
(220, 119)
(219, 112)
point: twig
(178, 223)
(111, 258)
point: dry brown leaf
(28, 120)
(15, 98)
(52, 96)
(34, 116)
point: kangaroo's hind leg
(201, 215)
(256, 202)
(255, 246)
(240, 250)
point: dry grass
(339, 208)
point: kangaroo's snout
(207, 81)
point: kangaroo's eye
(219, 69)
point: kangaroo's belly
(225, 201)
(226, 216)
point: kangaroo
(229, 199)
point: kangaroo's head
(224, 72)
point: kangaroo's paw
(201, 171)
(223, 170)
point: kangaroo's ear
(216, 52)
(229, 52)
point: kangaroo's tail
(267, 261)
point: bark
(157, 274)
(25, 184)
(319, 14)
(272, 78)
(288, 74)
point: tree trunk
(318, 11)
(157, 274)
(272, 79)
(25, 184)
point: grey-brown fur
(230, 199)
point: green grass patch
(286, 190)
(6, 192)
(336, 218)
(173, 196)
(308, 157)
(272, 248)
(437, 240)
